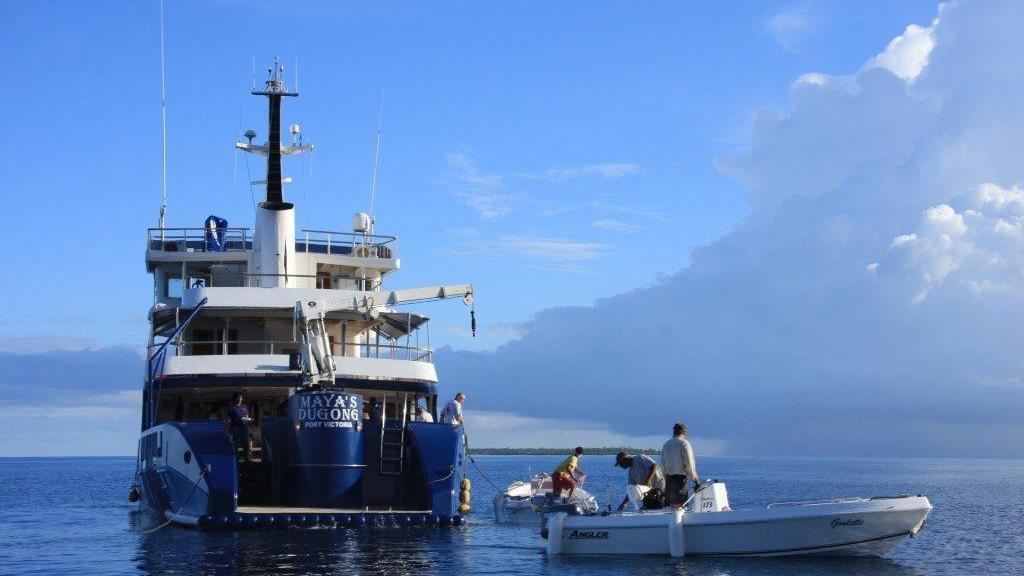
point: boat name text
(588, 535)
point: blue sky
(782, 217)
(549, 154)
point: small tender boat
(842, 527)
(521, 501)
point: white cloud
(477, 189)
(508, 430)
(907, 54)
(613, 225)
(465, 170)
(488, 206)
(791, 25)
(544, 248)
(777, 337)
(606, 171)
(981, 246)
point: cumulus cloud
(871, 302)
(981, 247)
(907, 54)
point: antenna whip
(163, 123)
(376, 157)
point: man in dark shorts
(678, 464)
(241, 424)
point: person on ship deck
(242, 428)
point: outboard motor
(553, 507)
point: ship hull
(189, 475)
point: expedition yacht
(338, 390)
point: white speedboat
(843, 527)
(521, 501)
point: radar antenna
(274, 89)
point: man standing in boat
(452, 413)
(678, 463)
(644, 475)
(564, 477)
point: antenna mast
(376, 158)
(163, 122)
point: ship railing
(200, 239)
(196, 240)
(351, 349)
(247, 280)
(347, 243)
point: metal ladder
(392, 440)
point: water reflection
(348, 551)
(480, 549)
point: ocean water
(71, 516)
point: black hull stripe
(806, 549)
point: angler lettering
(588, 535)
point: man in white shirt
(422, 415)
(452, 413)
(678, 463)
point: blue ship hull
(189, 474)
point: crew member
(422, 415)
(241, 423)
(644, 475)
(564, 477)
(452, 413)
(678, 464)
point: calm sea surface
(71, 516)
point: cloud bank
(870, 304)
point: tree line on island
(602, 451)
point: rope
(202, 474)
(451, 470)
(493, 485)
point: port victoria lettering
(328, 410)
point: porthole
(188, 456)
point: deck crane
(316, 360)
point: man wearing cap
(644, 474)
(564, 475)
(678, 463)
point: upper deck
(183, 258)
(197, 245)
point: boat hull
(188, 475)
(856, 528)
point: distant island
(606, 450)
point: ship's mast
(274, 89)
(274, 239)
